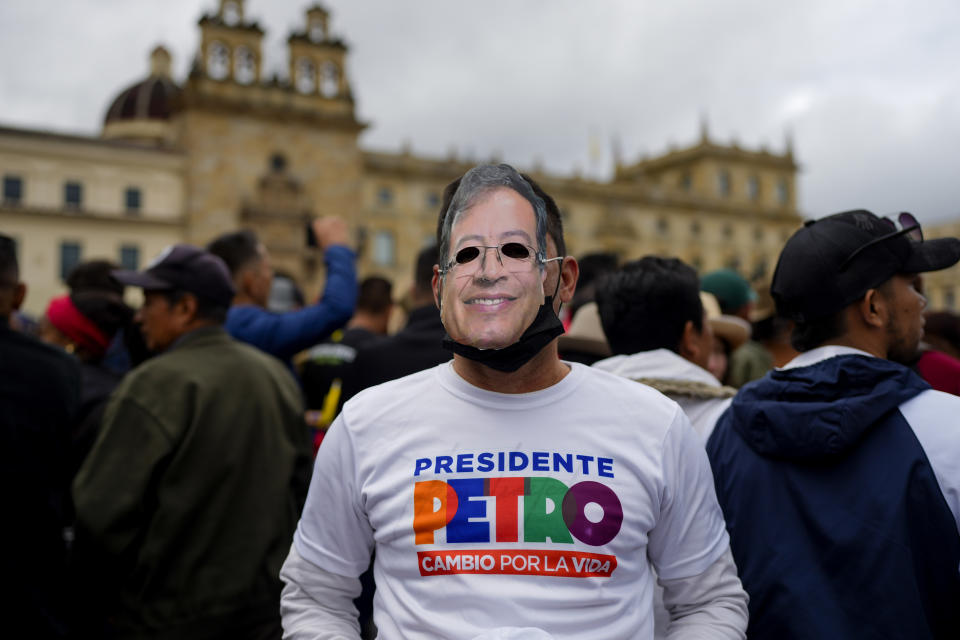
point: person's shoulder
(31, 360)
(242, 314)
(613, 382)
(616, 393)
(390, 397)
(939, 360)
(413, 382)
(16, 341)
(933, 406)
(257, 361)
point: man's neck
(373, 324)
(863, 343)
(544, 370)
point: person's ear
(246, 280)
(690, 344)
(19, 293)
(435, 283)
(186, 308)
(569, 274)
(874, 309)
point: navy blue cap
(832, 262)
(186, 268)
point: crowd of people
(546, 448)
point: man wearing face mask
(507, 493)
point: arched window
(783, 191)
(244, 66)
(306, 76)
(723, 183)
(329, 80)
(218, 61)
(384, 248)
(316, 30)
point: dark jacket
(837, 523)
(97, 382)
(416, 347)
(39, 399)
(194, 487)
(284, 334)
(331, 360)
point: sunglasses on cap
(905, 224)
(511, 255)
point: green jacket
(194, 487)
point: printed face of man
(486, 303)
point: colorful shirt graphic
(522, 508)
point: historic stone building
(229, 147)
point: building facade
(229, 147)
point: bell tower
(317, 60)
(238, 116)
(230, 47)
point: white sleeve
(316, 604)
(707, 606)
(690, 533)
(334, 532)
(933, 417)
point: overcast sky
(870, 90)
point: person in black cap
(190, 496)
(839, 474)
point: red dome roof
(150, 99)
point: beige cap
(586, 332)
(734, 330)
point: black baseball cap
(832, 262)
(186, 268)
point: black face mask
(544, 328)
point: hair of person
(813, 333)
(592, 267)
(208, 310)
(595, 265)
(473, 187)
(9, 269)
(237, 249)
(554, 219)
(94, 275)
(423, 274)
(646, 304)
(375, 295)
(945, 325)
(105, 309)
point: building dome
(149, 99)
(142, 111)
